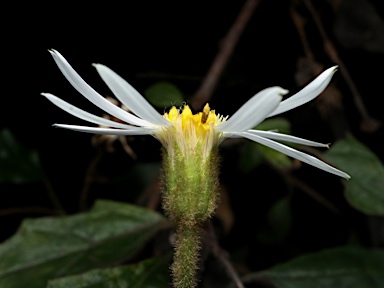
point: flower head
(192, 133)
(184, 132)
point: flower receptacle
(190, 186)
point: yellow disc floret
(192, 133)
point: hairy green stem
(185, 262)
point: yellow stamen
(206, 111)
(172, 115)
(201, 121)
(191, 132)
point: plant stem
(185, 261)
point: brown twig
(293, 180)
(298, 21)
(312, 193)
(89, 179)
(368, 124)
(261, 278)
(223, 258)
(53, 197)
(151, 196)
(221, 255)
(27, 210)
(330, 103)
(205, 91)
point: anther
(206, 110)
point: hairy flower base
(190, 186)
(190, 162)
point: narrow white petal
(308, 93)
(287, 138)
(294, 154)
(129, 96)
(88, 92)
(107, 131)
(254, 111)
(79, 113)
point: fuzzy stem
(190, 177)
(186, 256)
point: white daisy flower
(187, 132)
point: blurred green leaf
(139, 178)
(250, 157)
(142, 175)
(279, 222)
(52, 247)
(17, 164)
(280, 124)
(253, 154)
(344, 267)
(164, 94)
(276, 158)
(152, 273)
(364, 190)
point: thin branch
(330, 103)
(221, 255)
(293, 180)
(260, 278)
(53, 197)
(28, 210)
(368, 124)
(89, 179)
(223, 258)
(299, 24)
(151, 196)
(312, 193)
(206, 89)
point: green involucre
(190, 186)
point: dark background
(148, 41)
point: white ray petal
(308, 93)
(254, 111)
(129, 96)
(287, 138)
(294, 154)
(107, 131)
(79, 113)
(88, 92)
